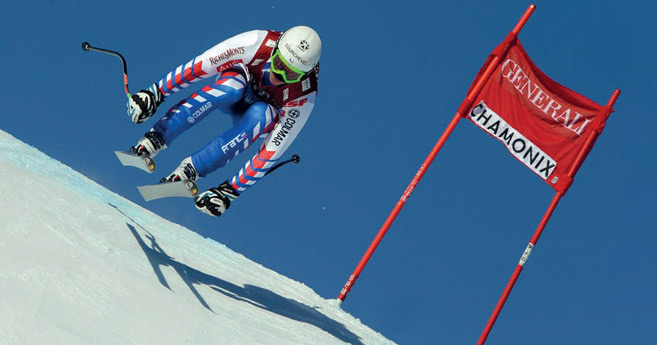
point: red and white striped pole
(590, 140)
(427, 162)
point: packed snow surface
(82, 265)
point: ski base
(144, 163)
(184, 189)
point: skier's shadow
(251, 294)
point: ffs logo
(294, 113)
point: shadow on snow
(251, 294)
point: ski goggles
(284, 69)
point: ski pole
(87, 47)
(295, 159)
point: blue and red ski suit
(241, 89)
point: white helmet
(301, 47)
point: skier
(265, 80)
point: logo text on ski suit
(238, 139)
(284, 130)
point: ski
(143, 162)
(184, 189)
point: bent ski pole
(295, 159)
(87, 47)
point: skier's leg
(223, 94)
(226, 91)
(259, 118)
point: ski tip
(147, 193)
(85, 46)
(183, 189)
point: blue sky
(393, 75)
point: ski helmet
(300, 47)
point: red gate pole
(537, 234)
(427, 162)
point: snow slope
(82, 265)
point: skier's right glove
(144, 103)
(215, 201)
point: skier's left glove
(215, 201)
(144, 103)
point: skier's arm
(294, 116)
(237, 49)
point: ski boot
(150, 145)
(184, 172)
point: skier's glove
(144, 103)
(215, 201)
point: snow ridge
(90, 267)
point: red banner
(541, 123)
